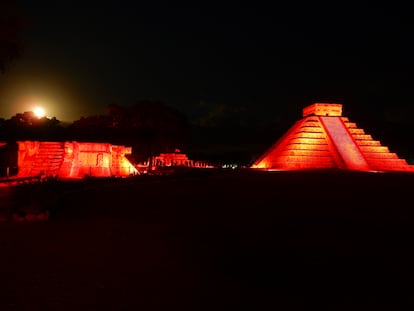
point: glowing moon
(39, 112)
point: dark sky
(230, 61)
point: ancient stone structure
(177, 159)
(325, 139)
(73, 159)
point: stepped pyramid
(324, 139)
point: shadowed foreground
(216, 241)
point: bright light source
(39, 112)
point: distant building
(176, 159)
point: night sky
(224, 64)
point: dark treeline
(149, 127)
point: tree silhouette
(91, 128)
(10, 28)
(27, 126)
(149, 127)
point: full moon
(39, 112)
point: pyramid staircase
(325, 139)
(378, 157)
(48, 159)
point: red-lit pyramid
(325, 139)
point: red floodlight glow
(325, 139)
(73, 159)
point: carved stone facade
(73, 159)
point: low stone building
(73, 159)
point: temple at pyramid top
(323, 138)
(319, 109)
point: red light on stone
(325, 139)
(320, 109)
(73, 159)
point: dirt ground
(215, 240)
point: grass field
(214, 240)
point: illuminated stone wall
(73, 159)
(171, 159)
(325, 139)
(177, 159)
